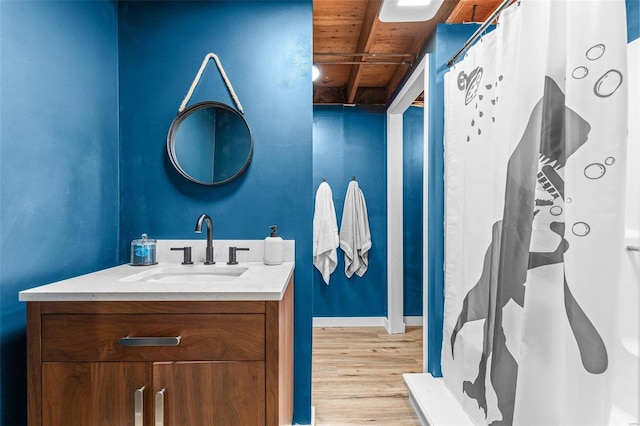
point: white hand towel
(355, 236)
(325, 233)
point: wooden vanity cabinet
(216, 363)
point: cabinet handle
(138, 398)
(159, 408)
(149, 341)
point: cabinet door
(95, 393)
(211, 393)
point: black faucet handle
(232, 254)
(187, 254)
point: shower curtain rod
(479, 31)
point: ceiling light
(408, 10)
(315, 73)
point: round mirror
(210, 143)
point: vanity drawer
(183, 337)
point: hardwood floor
(357, 376)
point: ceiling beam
(369, 23)
(376, 54)
(329, 95)
(472, 11)
(364, 63)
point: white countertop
(259, 282)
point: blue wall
(58, 161)
(413, 165)
(265, 48)
(350, 142)
(633, 20)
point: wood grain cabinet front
(209, 364)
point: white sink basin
(187, 274)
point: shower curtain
(535, 140)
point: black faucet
(209, 254)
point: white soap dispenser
(273, 248)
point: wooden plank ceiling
(361, 59)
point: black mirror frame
(176, 124)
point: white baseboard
(348, 321)
(412, 321)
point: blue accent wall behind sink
(265, 49)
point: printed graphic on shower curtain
(535, 141)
